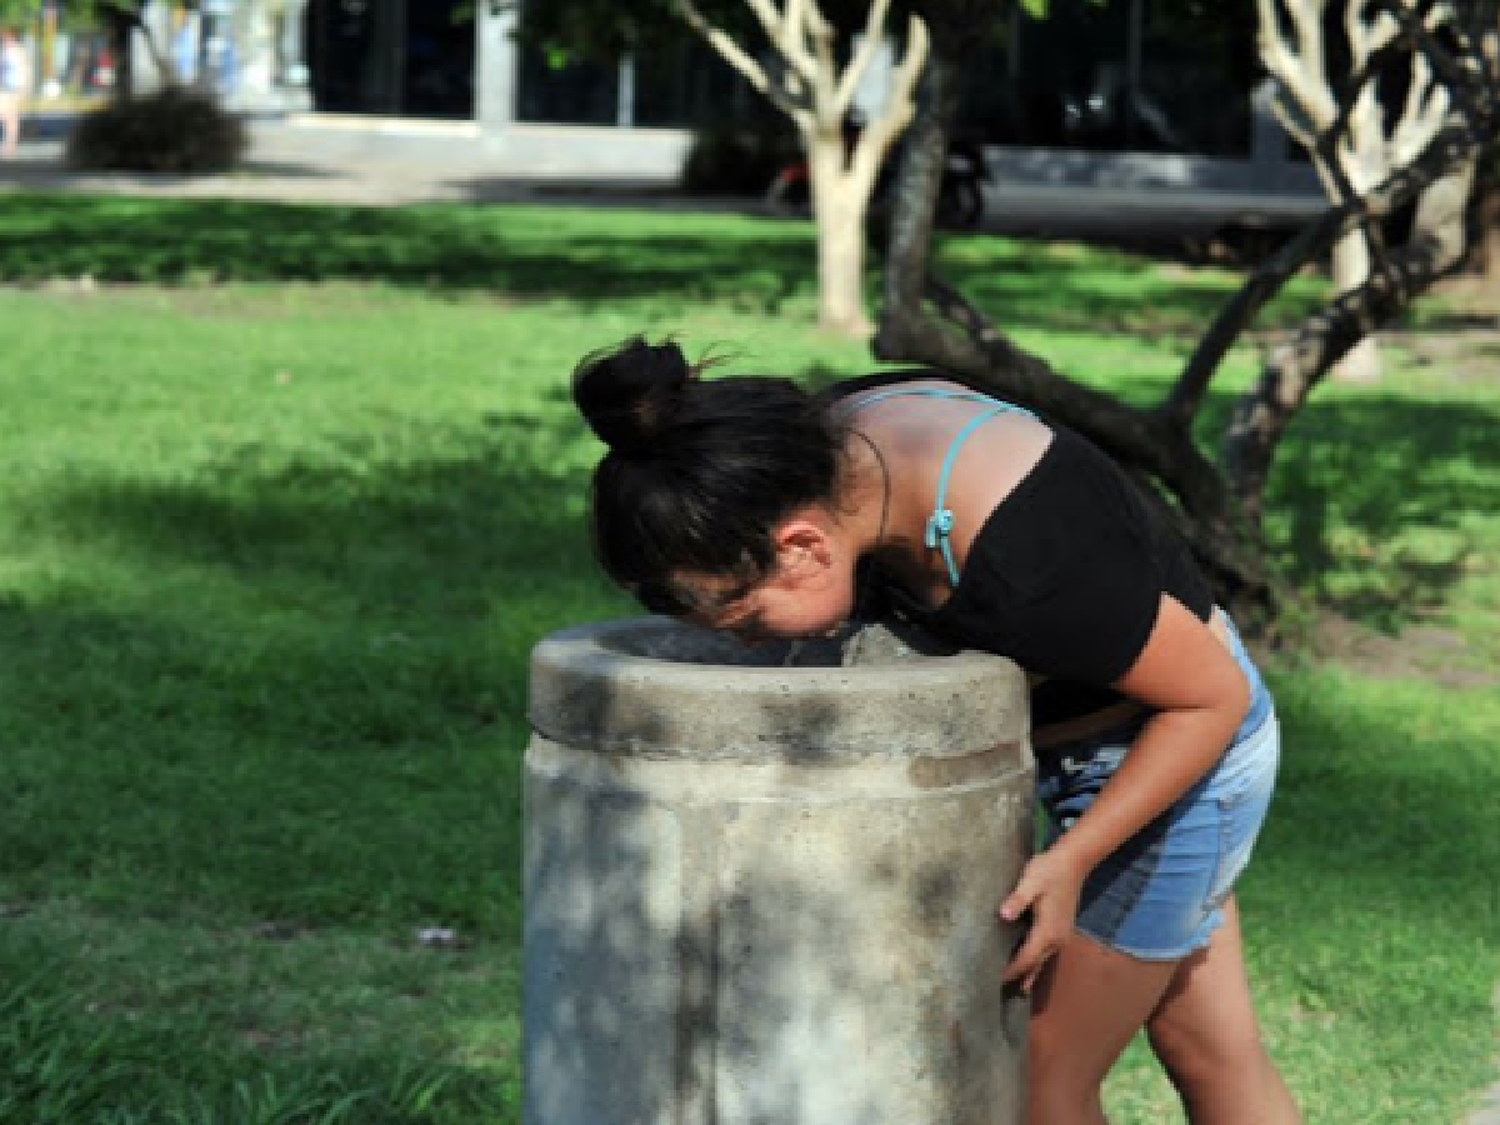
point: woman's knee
(1064, 1082)
(1058, 1095)
(1202, 1059)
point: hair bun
(628, 392)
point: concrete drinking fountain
(761, 884)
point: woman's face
(809, 593)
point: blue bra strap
(940, 523)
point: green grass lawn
(286, 497)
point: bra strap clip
(939, 525)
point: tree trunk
(840, 199)
(1349, 270)
(817, 94)
(121, 23)
(1349, 172)
(1294, 367)
(118, 26)
(1484, 229)
(914, 193)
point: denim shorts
(1162, 893)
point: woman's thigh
(1088, 1003)
(1206, 1035)
(1161, 895)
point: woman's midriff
(1116, 714)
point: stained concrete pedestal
(761, 894)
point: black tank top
(1065, 576)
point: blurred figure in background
(15, 83)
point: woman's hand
(1049, 887)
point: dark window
(676, 80)
(687, 83)
(352, 55)
(1136, 76)
(412, 57)
(568, 93)
(1199, 65)
(439, 59)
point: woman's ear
(804, 547)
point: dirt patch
(1425, 651)
(1463, 353)
(1462, 335)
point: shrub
(174, 129)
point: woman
(748, 506)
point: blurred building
(1137, 91)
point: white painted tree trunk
(817, 95)
(1373, 139)
(1351, 269)
(841, 200)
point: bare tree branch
(1422, 116)
(735, 56)
(879, 135)
(1307, 21)
(1281, 64)
(1296, 366)
(1352, 94)
(791, 40)
(1357, 98)
(1367, 36)
(1449, 70)
(770, 20)
(917, 182)
(859, 62)
(1449, 149)
(1359, 141)
(828, 74)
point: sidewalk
(380, 163)
(289, 161)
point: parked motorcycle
(960, 202)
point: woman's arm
(1200, 694)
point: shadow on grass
(334, 733)
(1373, 500)
(1383, 812)
(230, 808)
(1036, 285)
(1370, 903)
(89, 1038)
(521, 251)
(584, 254)
(384, 614)
(343, 744)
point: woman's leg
(1206, 1035)
(1088, 1003)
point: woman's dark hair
(698, 471)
